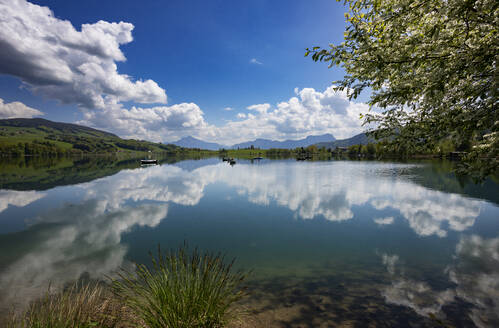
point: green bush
(182, 290)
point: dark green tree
(431, 67)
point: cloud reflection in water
(85, 237)
(331, 190)
(475, 274)
(65, 243)
(18, 198)
(318, 189)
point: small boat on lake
(257, 157)
(148, 161)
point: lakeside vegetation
(371, 150)
(182, 289)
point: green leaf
(440, 64)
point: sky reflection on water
(278, 217)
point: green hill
(57, 127)
(24, 136)
(359, 139)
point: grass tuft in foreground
(182, 289)
(76, 307)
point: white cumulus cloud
(17, 109)
(73, 66)
(255, 61)
(79, 66)
(311, 112)
(154, 123)
(260, 108)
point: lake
(329, 243)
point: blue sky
(224, 71)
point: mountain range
(286, 144)
(191, 142)
(325, 140)
(70, 137)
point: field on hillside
(39, 136)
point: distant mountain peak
(188, 138)
(192, 142)
(287, 144)
(326, 135)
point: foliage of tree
(34, 147)
(132, 145)
(311, 149)
(279, 153)
(354, 150)
(431, 66)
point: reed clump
(79, 306)
(182, 289)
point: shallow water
(330, 243)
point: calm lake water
(330, 243)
